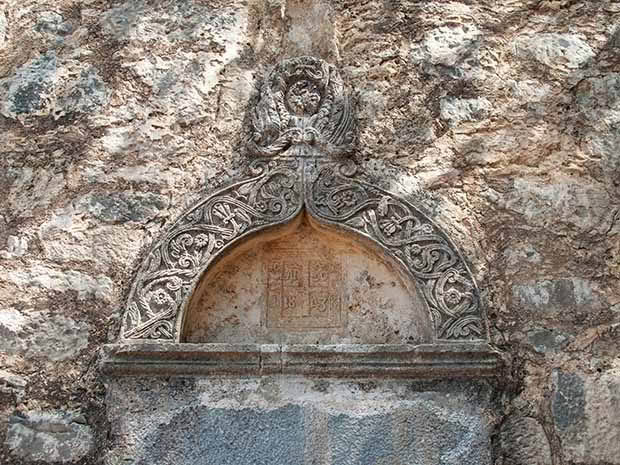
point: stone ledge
(341, 360)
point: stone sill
(340, 360)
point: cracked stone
(48, 436)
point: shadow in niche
(306, 283)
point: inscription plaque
(302, 292)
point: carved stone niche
(303, 266)
(306, 285)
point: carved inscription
(303, 292)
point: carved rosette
(304, 111)
(271, 195)
(301, 123)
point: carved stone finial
(304, 110)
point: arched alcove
(181, 316)
(274, 273)
(307, 285)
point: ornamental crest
(304, 110)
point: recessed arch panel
(307, 284)
(274, 194)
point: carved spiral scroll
(334, 196)
(272, 195)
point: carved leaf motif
(382, 208)
(358, 222)
(169, 273)
(303, 110)
(413, 239)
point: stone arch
(301, 130)
(270, 195)
(334, 196)
(273, 194)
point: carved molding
(301, 127)
(341, 360)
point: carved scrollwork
(272, 195)
(334, 196)
(303, 116)
(304, 110)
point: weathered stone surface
(120, 207)
(179, 77)
(548, 297)
(12, 383)
(599, 99)
(581, 206)
(521, 253)
(42, 335)
(584, 410)
(12, 319)
(49, 436)
(403, 437)
(548, 340)
(32, 190)
(92, 227)
(231, 437)
(50, 22)
(568, 403)
(455, 110)
(599, 103)
(15, 247)
(3, 28)
(446, 45)
(100, 287)
(311, 30)
(49, 86)
(523, 442)
(559, 51)
(296, 421)
(28, 92)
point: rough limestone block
(523, 442)
(559, 51)
(54, 436)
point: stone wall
(501, 118)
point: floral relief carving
(304, 110)
(270, 195)
(301, 127)
(402, 231)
